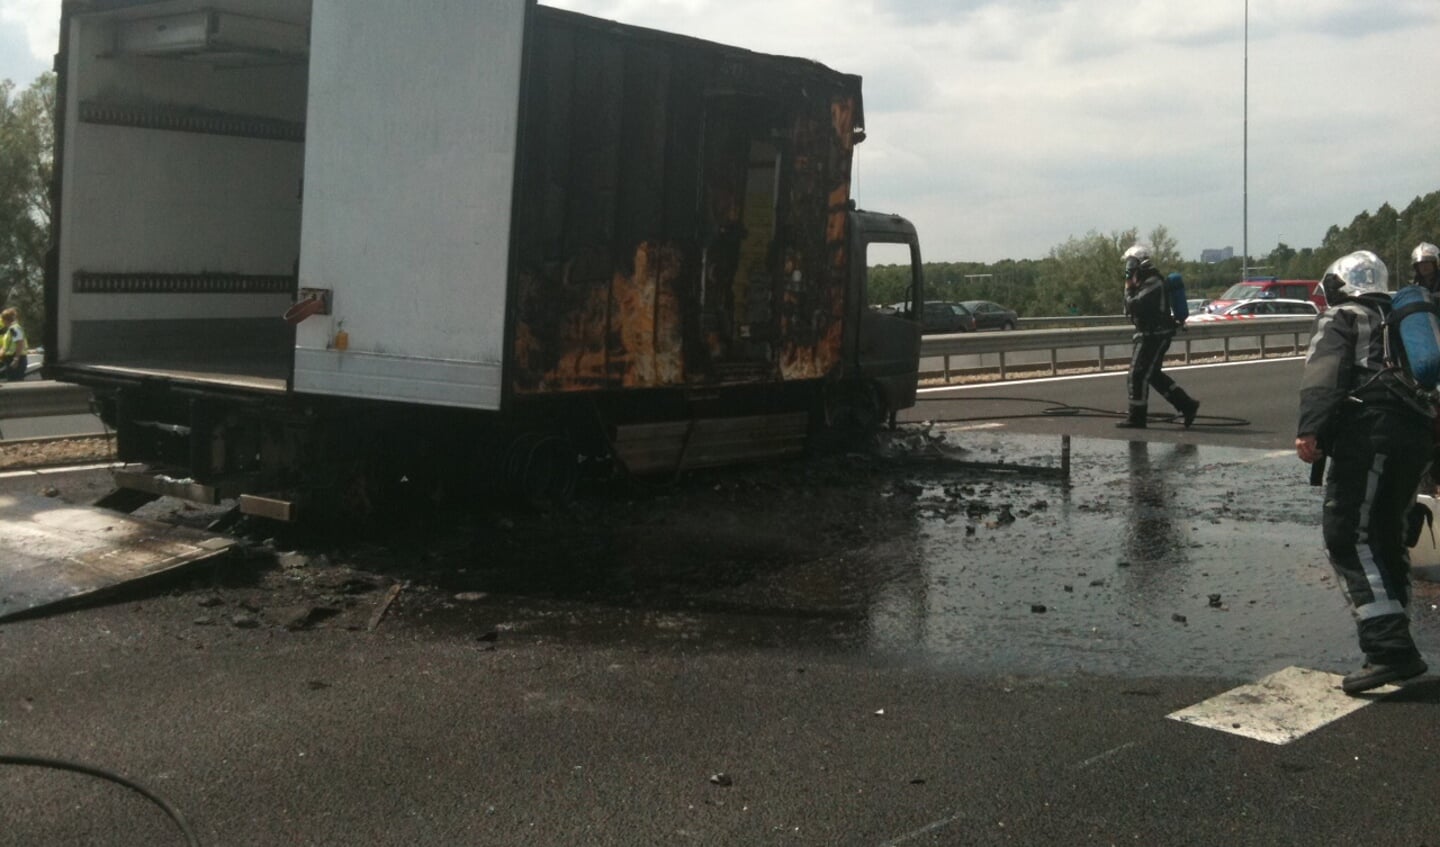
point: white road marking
(1121, 372)
(928, 828)
(1280, 708)
(1107, 754)
(56, 471)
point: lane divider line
(998, 383)
(924, 830)
(58, 470)
(1107, 754)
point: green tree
(887, 284)
(1085, 272)
(27, 142)
(1088, 273)
(1164, 249)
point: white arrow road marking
(1280, 708)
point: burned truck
(310, 251)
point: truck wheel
(542, 469)
(857, 412)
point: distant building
(1212, 255)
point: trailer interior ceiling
(183, 142)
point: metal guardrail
(1073, 321)
(38, 399)
(42, 399)
(1095, 340)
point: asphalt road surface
(956, 678)
(1242, 404)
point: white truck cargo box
(409, 172)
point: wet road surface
(899, 650)
(1156, 559)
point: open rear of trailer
(308, 249)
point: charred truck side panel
(305, 250)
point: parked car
(991, 315)
(938, 316)
(1262, 308)
(1270, 288)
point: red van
(1270, 288)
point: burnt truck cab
(305, 245)
(882, 350)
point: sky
(1003, 128)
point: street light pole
(1245, 158)
(1397, 245)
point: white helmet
(1137, 257)
(1425, 252)
(1359, 273)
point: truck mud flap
(52, 552)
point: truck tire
(855, 412)
(541, 469)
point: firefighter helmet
(1355, 274)
(1137, 258)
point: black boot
(1375, 675)
(1188, 412)
(1186, 405)
(1135, 421)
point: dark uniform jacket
(1347, 358)
(1146, 307)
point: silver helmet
(1136, 258)
(1355, 274)
(1425, 252)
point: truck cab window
(888, 274)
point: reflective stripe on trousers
(1377, 460)
(1147, 356)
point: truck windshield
(1242, 291)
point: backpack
(1175, 296)
(1412, 335)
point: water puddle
(1154, 559)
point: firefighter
(1356, 411)
(1149, 310)
(1426, 261)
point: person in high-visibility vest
(13, 351)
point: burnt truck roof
(298, 12)
(793, 64)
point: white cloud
(1003, 127)
(40, 21)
